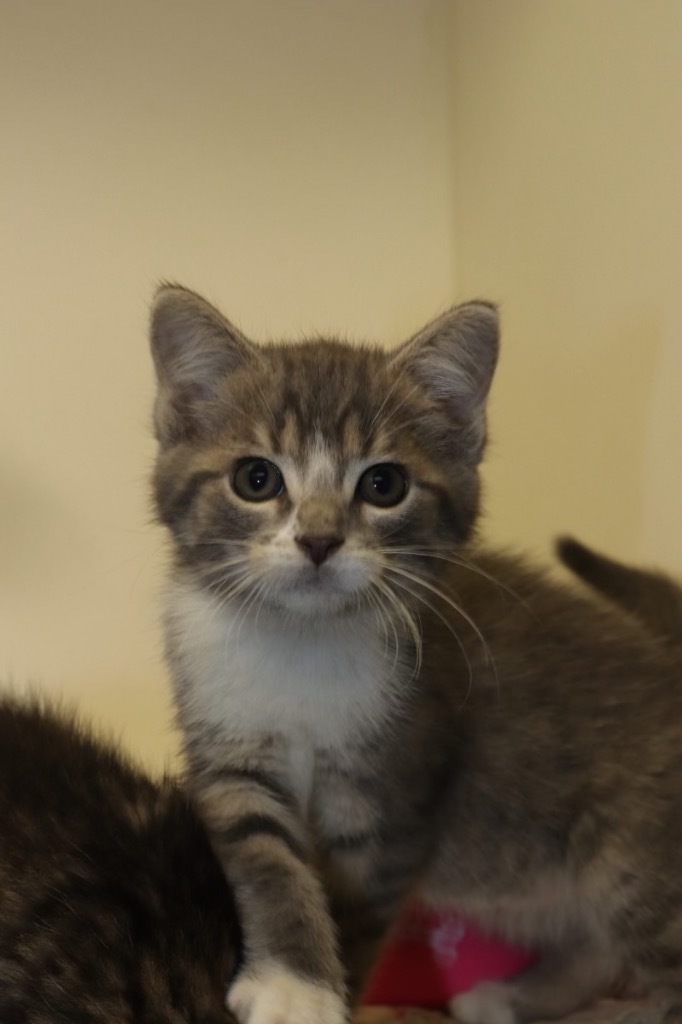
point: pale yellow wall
(290, 159)
(352, 165)
(568, 126)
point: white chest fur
(321, 683)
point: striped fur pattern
(375, 708)
(113, 908)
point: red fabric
(433, 957)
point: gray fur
(416, 716)
(653, 597)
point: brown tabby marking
(113, 909)
(375, 708)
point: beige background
(344, 165)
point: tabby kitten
(377, 710)
(652, 597)
(113, 909)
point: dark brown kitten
(113, 909)
(375, 708)
(651, 596)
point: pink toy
(434, 957)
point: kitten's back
(112, 906)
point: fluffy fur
(651, 596)
(377, 709)
(113, 908)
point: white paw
(272, 995)
(489, 1003)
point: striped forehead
(324, 414)
(319, 467)
(325, 388)
(339, 437)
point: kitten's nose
(319, 548)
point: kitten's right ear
(194, 348)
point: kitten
(374, 708)
(113, 909)
(652, 597)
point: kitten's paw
(489, 1003)
(273, 995)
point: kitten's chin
(315, 603)
(314, 593)
(316, 597)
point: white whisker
(256, 587)
(267, 407)
(455, 558)
(404, 614)
(372, 599)
(420, 581)
(399, 377)
(448, 625)
(394, 411)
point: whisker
(267, 407)
(227, 574)
(256, 589)
(399, 378)
(387, 535)
(223, 598)
(451, 629)
(454, 558)
(421, 582)
(392, 430)
(213, 542)
(264, 588)
(384, 620)
(412, 627)
(229, 579)
(394, 411)
(226, 597)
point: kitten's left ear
(453, 359)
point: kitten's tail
(652, 597)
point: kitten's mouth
(318, 576)
(320, 580)
(318, 589)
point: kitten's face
(316, 477)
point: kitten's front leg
(291, 972)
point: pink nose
(317, 548)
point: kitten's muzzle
(319, 548)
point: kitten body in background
(375, 708)
(113, 909)
(652, 597)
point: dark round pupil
(381, 481)
(258, 476)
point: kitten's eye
(257, 480)
(383, 485)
